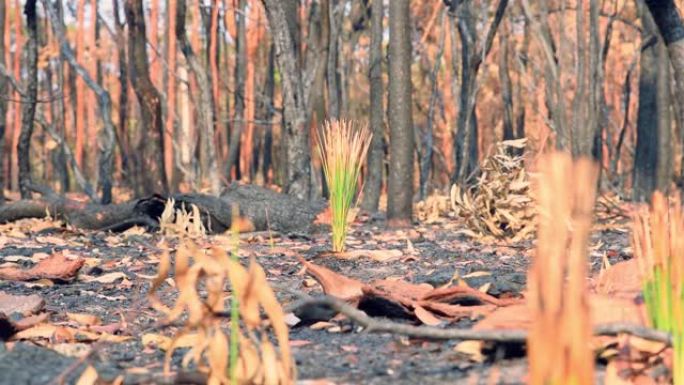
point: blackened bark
(3, 101)
(653, 121)
(283, 23)
(151, 147)
(668, 20)
(29, 106)
(400, 179)
(122, 132)
(335, 19)
(373, 184)
(267, 146)
(506, 89)
(473, 54)
(240, 77)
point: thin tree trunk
(209, 173)
(29, 105)
(151, 146)
(122, 132)
(373, 184)
(171, 85)
(3, 101)
(284, 28)
(400, 179)
(335, 18)
(104, 101)
(240, 74)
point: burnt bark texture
(122, 131)
(205, 105)
(652, 159)
(400, 179)
(262, 209)
(473, 53)
(106, 160)
(671, 26)
(373, 184)
(151, 145)
(282, 18)
(30, 99)
(3, 101)
(240, 78)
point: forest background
(126, 98)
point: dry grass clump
(248, 356)
(559, 340)
(499, 205)
(181, 222)
(343, 146)
(659, 250)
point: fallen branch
(374, 325)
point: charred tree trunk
(3, 101)
(240, 74)
(473, 53)
(652, 161)
(122, 132)
(335, 18)
(400, 179)
(373, 185)
(671, 26)
(29, 106)
(208, 162)
(283, 22)
(151, 146)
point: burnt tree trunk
(29, 106)
(285, 33)
(652, 161)
(205, 109)
(373, 184)
(3, 101)
(122, 132)
(671, 27)
(240, 75)
(151, 146)
(400, 179)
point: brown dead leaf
(403, 289)
(56, 267)
(105, 278)
(31, 321)
(22, 304)
(89, 376)
(426, 316)
(334, 284)
(84, 319)
(376, 255)
(508, 317)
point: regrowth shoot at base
(342, 146)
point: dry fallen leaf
(84, 319)
(56, 267)
(334, 284)
(88, 377)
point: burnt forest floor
(431, 253)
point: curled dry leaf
(57, 267)
(334, 284)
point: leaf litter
(452, 282)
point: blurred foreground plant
(250, 357)
(342, 146)
(658, 242)
(559, 341)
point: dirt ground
(344, 355)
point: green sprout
(342, 146)
(659, 251)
